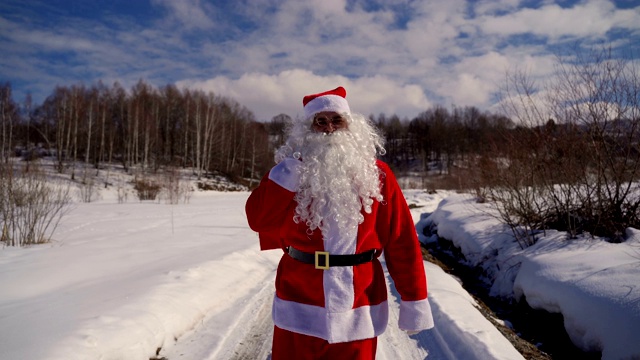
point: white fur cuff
(415, 315)
(286, 174)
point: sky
(393, 56)
(120, 280)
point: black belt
(322, 259)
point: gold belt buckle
(324, 254)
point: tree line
(147, 128)
(439, 140)
(152, 128)
(564, 154)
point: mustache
(317, 142)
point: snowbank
(594, 284)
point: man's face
(328, 122)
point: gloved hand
(286, 174)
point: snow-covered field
(187, 281)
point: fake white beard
(339, 178)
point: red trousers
(288, 345)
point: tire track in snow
(239, 335)
(256, 343)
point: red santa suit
(345, 303)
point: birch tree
(8, 117)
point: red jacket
(342, 303)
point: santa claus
(333, 208)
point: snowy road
(461, 332)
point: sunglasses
(336, 121)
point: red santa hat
(332, 100)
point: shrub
(31, 205)
(88, 191)
(175, 189)
(146, 189)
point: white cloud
(490, 7)
(330, 7)
(477, 79)
(270, 95)
(434, 27)
(190, 13)
(588, 19)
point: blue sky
(392, 56)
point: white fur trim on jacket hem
(415, 315)
(356, 324)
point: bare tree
(8, 117)
(581, 167)
(91, 110)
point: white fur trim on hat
(333, 103)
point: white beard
(338, 179)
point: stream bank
(536, 334)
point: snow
(594, 284)
(132, 280)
